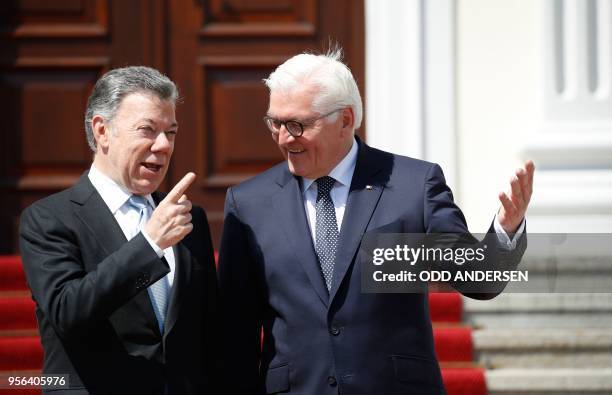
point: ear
(348, 119)
(101, 131)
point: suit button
(331, 380)
(334, 331)
(142, 280)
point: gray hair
(116, 84)
(336, 84)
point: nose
(284, 135)
(162, 143)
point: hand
(513, 208)
(171, 220)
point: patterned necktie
(159, 291)
(326, 242)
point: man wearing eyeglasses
(291, 234)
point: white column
(573, 145)
(440, 123)
(394, 76)
(410, 79)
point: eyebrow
(174, 124)
(281, 119)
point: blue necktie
(326, 232)
(159, 291)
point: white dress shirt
(343, 174)
(116, 196)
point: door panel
(222, 51)
(217, 51)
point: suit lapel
(96, 216)
(182, 274)
(364, 194)
(289, 204)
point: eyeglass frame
(301, 124)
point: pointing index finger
(530, 167)
(179, 189)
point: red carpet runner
(20, 348)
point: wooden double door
(217, 51)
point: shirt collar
(342, 173)
(113, 194)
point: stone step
(549, 381)
(556, 310)
(562, 274)
(543, 348)
(541, 302)
(562, 282)
(566, 264)
(569, 251)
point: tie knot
(325, 184)
(138, 202)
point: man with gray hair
(290, 240)
(123, 276)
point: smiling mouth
(151, 166)
(295, 151)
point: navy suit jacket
(342, 341)
(94, 314)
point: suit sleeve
(209, 261)
(209, 306)
(441, 213)
(444, 217)
(71, 298)
(240, 300)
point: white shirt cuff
(503, 237)
(158, 251)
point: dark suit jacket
(343, 341)
(94, 313)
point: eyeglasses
(295, 128)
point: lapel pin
(369, 187)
